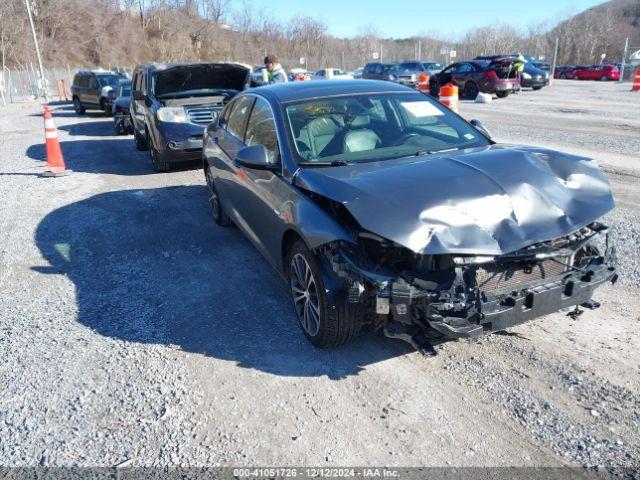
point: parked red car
(597, 72)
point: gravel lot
(131, 328)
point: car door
(445, 76)
(138, 106)
(461, 74)
(230, 135)
(92, 95)
(255, 197)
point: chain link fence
(20, 85)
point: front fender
(312, 223)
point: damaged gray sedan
(379, 206)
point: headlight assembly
(172, 114)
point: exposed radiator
(496, 278)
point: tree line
(101, 33)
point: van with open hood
(171, 105)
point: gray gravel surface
(131, 328)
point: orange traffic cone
(55, 161)
(636, 82)
(449, 96)
(423, 83)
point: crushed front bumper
(468, 311)
(519, 307)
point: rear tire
(104, 108)
(324, 325)
(217, 212)
(77, 106)
(502, 94)
(563, 76)
(603, 78)
(576, 77)
(536, 88)
(470, 91)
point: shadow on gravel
(150, 266)
(117, 156)
(102, 128)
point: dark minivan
(380, 71)
(171, 104)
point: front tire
(563, 76)
(470, 91)
(141, 142)
(576, 77)
(77, 106)
(504, 94)
(159, 165)
(324, 325)
(217, 212)
(604, 78)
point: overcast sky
(401, 18)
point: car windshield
(432, 66)
(109, 80)
(371, 127)
(124, 89)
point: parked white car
(331, 74)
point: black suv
(94, 89)
(380, 71)
(172, 104)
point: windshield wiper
(335, 163)
(431, 152)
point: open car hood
(232, 76)
(485, 201)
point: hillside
(600, 29)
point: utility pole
(43, 81)
(553, 65)
(419, 51)
(624, 59)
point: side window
(449, 70)
(224, 117)
(237, 117)
(464, 68)
(377, 69)
(93, 83)
(261, 129)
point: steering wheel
(402, 140)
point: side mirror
(255, 157)
(480, 127)
(138, 95)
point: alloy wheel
(305, 295)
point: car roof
(293, 91)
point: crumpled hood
(486, 201)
